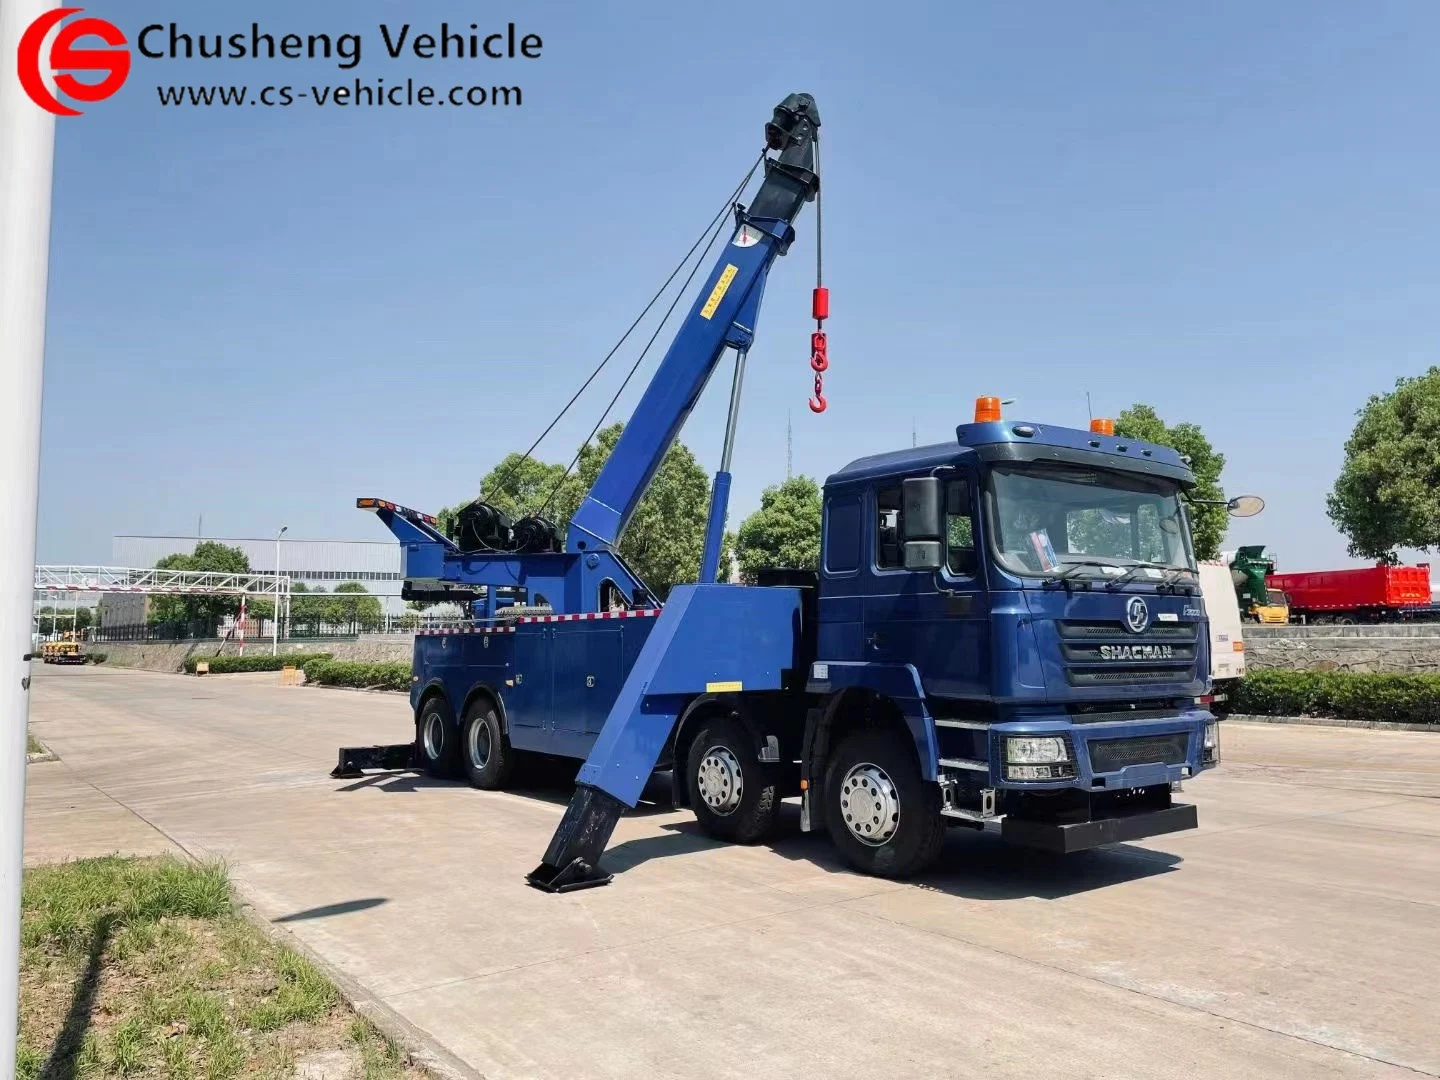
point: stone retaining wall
(1405, 648)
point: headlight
(1035, 750)
(1210, 744)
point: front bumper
(1110, 756)
(1119, 778)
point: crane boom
(526, 558)
(723, 315)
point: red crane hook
(819, 348)
(819, 362)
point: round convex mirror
(1243, 506)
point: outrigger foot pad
(572, 861)
(355, 759)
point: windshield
(1050, 518)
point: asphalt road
(1296, 933)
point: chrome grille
(1106, 654)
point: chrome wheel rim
(720, 781)
(479, 744)
(870, 804)
(434, 736)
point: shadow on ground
(63, 1062)
(973, 865)
(544, 780)
(325, 911)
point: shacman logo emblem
(1137, 615)
(65, 57)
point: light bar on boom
(395, 508)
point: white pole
(27, 150)
(275, 625)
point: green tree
(1208, 524)
(308, 607)
(665, 538)
(209, 555)
(784, 531)
(49, 620)
(352, 605)
(1387, 495)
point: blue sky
(1227, 210)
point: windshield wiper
(1071, 567)
(1131, 571)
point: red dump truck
(1378, 593)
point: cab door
(936, 621)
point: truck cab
(1026, 601)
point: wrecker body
(1005, 631)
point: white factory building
(318, 564)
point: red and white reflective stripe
(586, 616)
(466, 630)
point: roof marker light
(987, 410)
(1102, 426)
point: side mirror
(922, 509)
(1243, 506)
(923, 555)
(923, 522)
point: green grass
(143, 968)
(32, 744)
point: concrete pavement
(1295, 934)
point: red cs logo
(64, 56)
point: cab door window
(889, 529)
(959, 529)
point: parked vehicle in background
(1227, 635)
(1379, 593)
(65, 650)
(1259, 601)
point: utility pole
(27, 154)
(275, 615)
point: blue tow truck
(1005, 631)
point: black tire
(919, 830)
(724, 749)
(437, 739)
(485, 754)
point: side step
(355, 759)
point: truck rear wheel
(485, 751)
(882, 817)
(437, 739)
(733, 793)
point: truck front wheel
(732, 792)
(882, 817)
